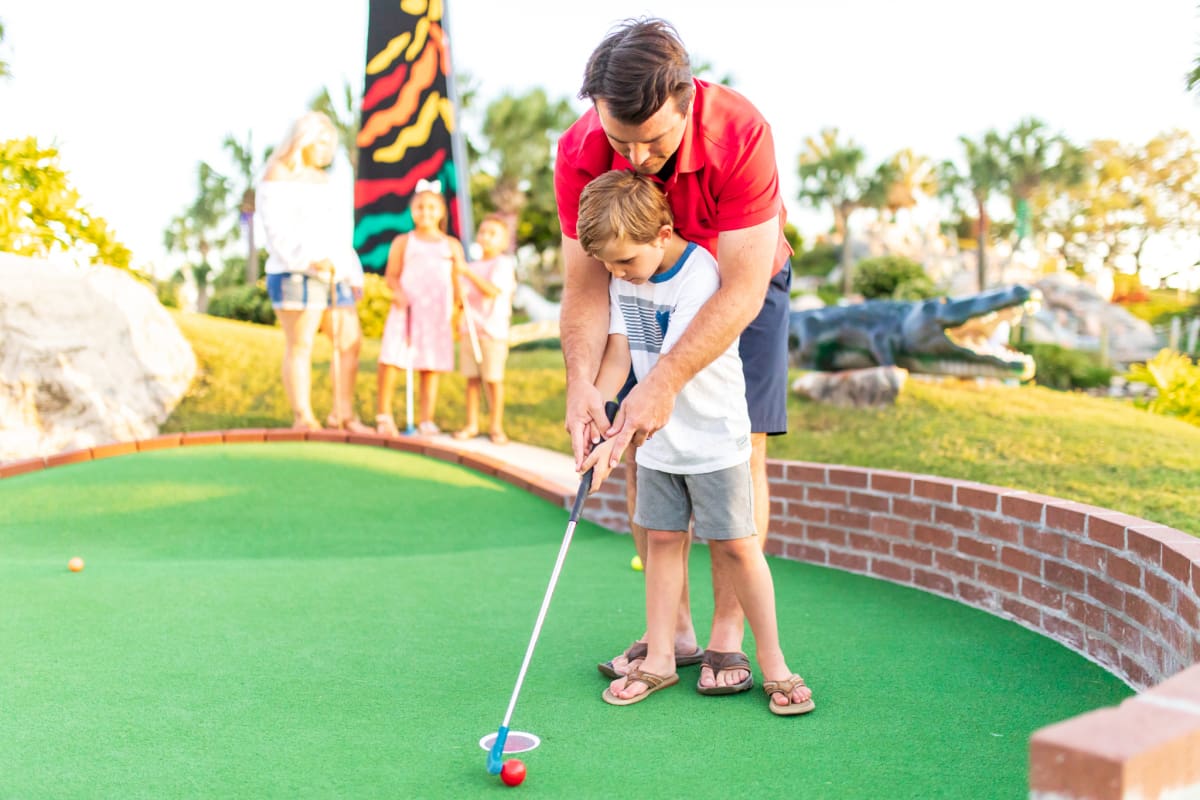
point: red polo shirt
(725, 176)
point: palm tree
(201, 227)
(344, 115)
(829, 174)
(986, 174)
(1035, 159)
(909, 178)
(247, 169)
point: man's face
(635, 262)
(647, 146)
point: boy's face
(492, 236)
(635, 262)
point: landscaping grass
(1071, 446)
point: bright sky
(136, 92)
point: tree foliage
(42, 214)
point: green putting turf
(312, 620)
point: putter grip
(585, 483)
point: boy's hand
(601, 461)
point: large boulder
(88, 356)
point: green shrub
(374, 305)
(1176, 380)
(245, 303)
(1065, 369)
(829, 294)
(167, 292)
(892, 278)
(819, 261)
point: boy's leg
(495, 397)
(472, 403)
(763, 349)
(386, 387)
(664, 580)
(428, 394)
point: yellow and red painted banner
(407, 126)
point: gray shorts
(722, 502)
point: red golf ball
(513, 772)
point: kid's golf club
(496, 754)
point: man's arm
(614, 370)
(746, 261)
(583, 326)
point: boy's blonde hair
(621, 205)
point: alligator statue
(938, 337)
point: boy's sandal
(653, 684)
(720, 662)
(638, 650)
(466, 433)
(386, 426)
(785, 688)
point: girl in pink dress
(418, 332)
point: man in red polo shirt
(714, 155)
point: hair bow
(429, 186)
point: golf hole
(517, 742)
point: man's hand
(585, 419)
(644, 411)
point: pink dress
(426, 280)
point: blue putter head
(495, 761)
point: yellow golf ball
(636, 563)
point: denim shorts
(296, 291)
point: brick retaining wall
(1120, 590)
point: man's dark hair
(640, 65)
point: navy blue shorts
(763, 348)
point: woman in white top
(307, 247)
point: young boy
(488, 285)
(699, 463)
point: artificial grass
(1098, 451)
(311, 620)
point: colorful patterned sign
(408, 122)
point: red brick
(1038, 592)
(1064, 631)
(1080, 610)
(1088, 556)
(1024, 508)
(1125, 571)
(1183, 686)
(821, 533)
(863, 543)
(1136, 672)
(983, 551)
(481, 462)
(240, 435)
(283, 435)
(454, 457)
(1044, 542)
(1159, 589)
(808, 513)
(806, 552)
(847, 561)
(891, 484)
(202, 438)
(788, 491)
(1064, 577)
(1066, 519)
(1031, 614)
(1145, 542)
(830, 497)
(1108, 595)
(1105, 653)
(1000, 579)
(977, 497)
(23, 467)
(933, 581)
(888, 526)
(1000, 529)
(114, 449)
(891, 570)
(775, 469)
(802, 473)
(1022, 561)
(861, 501)
(913, 554)
(407, 444)
(933, 489)
(1178, 563)
(367, 439)
(1189, 611)
(773, 546)
(841, 476)
(975, 595)
(1142, 612)
(164, 442)
(69, 457)
(960, 520)
(849, 520)
(912, 509)
(952, 563)
(1124, 633)
(937, 537)
(1107, 531)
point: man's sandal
(653, 684)
(785, 688)
(720, 662)
(638, 650)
